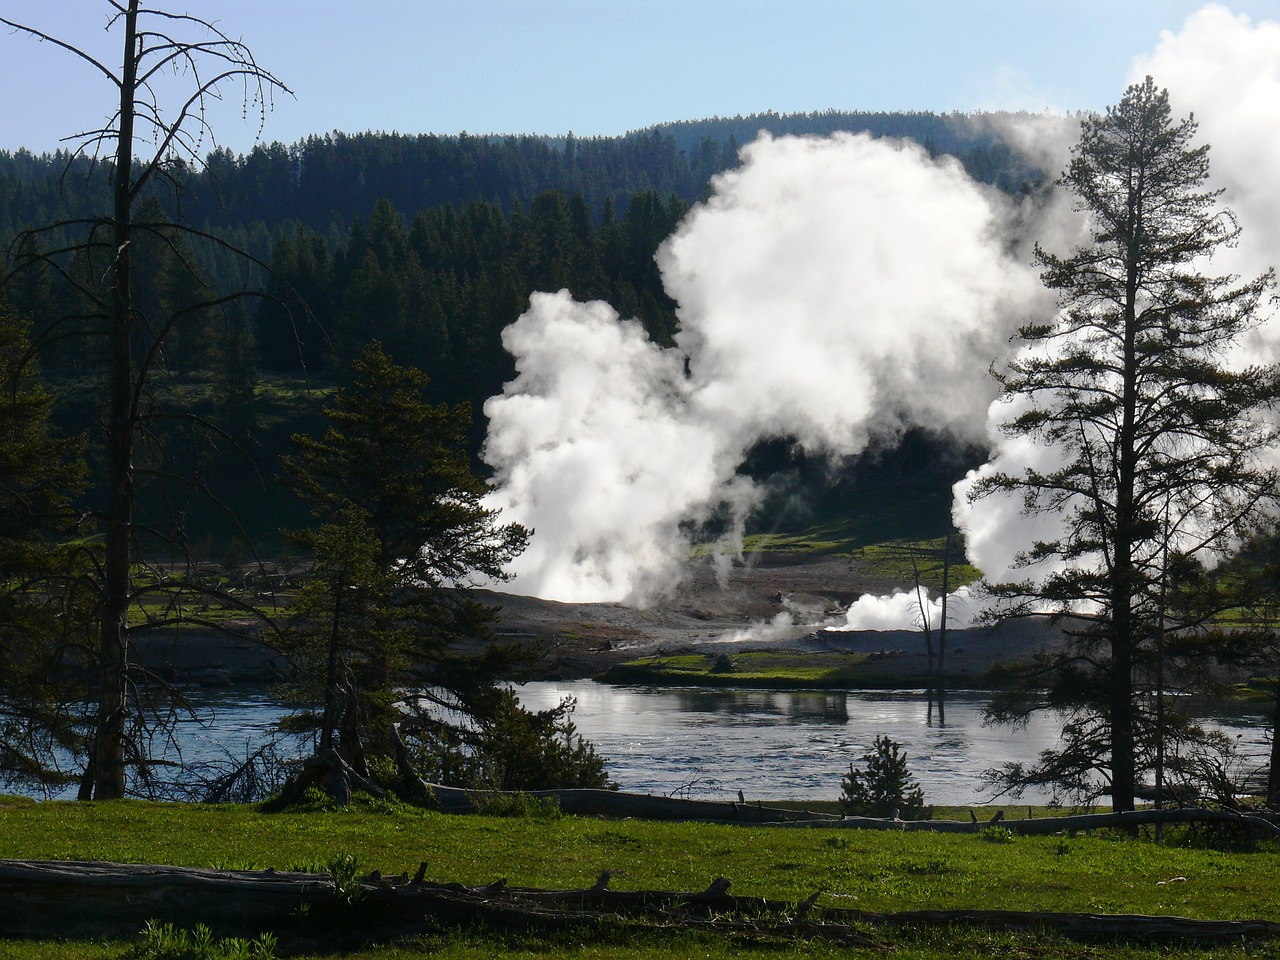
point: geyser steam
(831, 290)
(1225, 71)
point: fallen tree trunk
(65, 899)
(1265, 826)
(612, 803)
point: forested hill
(433, 243)
(324, 182)
(429, 244)
(968, 136)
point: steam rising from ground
(833, 291)
(903, 610)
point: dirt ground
(774, 601)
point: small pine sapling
(885, 788)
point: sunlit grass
(875, 871)
(893, 560)
(872, 870)
(888, 559)
(748, 668)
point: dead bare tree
(935, 635)
(150, 138)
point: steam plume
(830, 290)
(901, 610)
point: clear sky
(602, 67)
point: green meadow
(1191, 874)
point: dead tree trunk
(44, 898)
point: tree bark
(109, 747)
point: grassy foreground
(863, 870)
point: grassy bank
(774, 670)
(864, 870)
(803, 670)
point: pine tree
(46, 724)
(885, 788)
(400, 528)
(1137, 385)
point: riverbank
(772, 603)
(775, 603)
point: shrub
(885, 788)
(514, 749)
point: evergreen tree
(1158, 427)
(400, 529)
(46, 724)
(884, 787)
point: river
(771, 745)
(711, 743)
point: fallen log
(612, 803)
(69, 899)
(1041, 826)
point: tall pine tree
(1139, 387)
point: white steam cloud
(902, 610)
(830, 290)
(1224, 70)
(596, 449)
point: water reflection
(711, 743)
(751, 706)
(937, 698)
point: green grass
(874, 510)
(907, 945)
(892, 559)
(799, 669)
(872, 870)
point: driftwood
(1256, 823)
(42, 898)
(610, 803)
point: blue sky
(602, 67)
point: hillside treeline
(429, 244)
(324, 182)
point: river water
(771, 745)
(711, 743)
